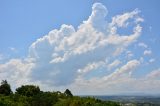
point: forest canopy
(31, 95)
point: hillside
(31, 95)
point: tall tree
(68, 93)
(5, 88)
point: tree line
(31, 95)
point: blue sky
(79, 44)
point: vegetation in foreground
(31, 95)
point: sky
(92, 47)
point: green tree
(28, 90)
(68, 93)
(5, 88)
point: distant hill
(136, 100)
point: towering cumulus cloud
(59, 55)
(70, 57)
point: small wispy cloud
(129, 54)
(13, 49)
(147, 52)
(141, 44)
(114, 64)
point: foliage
(30, 95)
(5, 88)
(28, 90)
(44, 99)
(68, 93)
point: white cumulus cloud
(16, 71)
(68, 51)
(63, 55)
